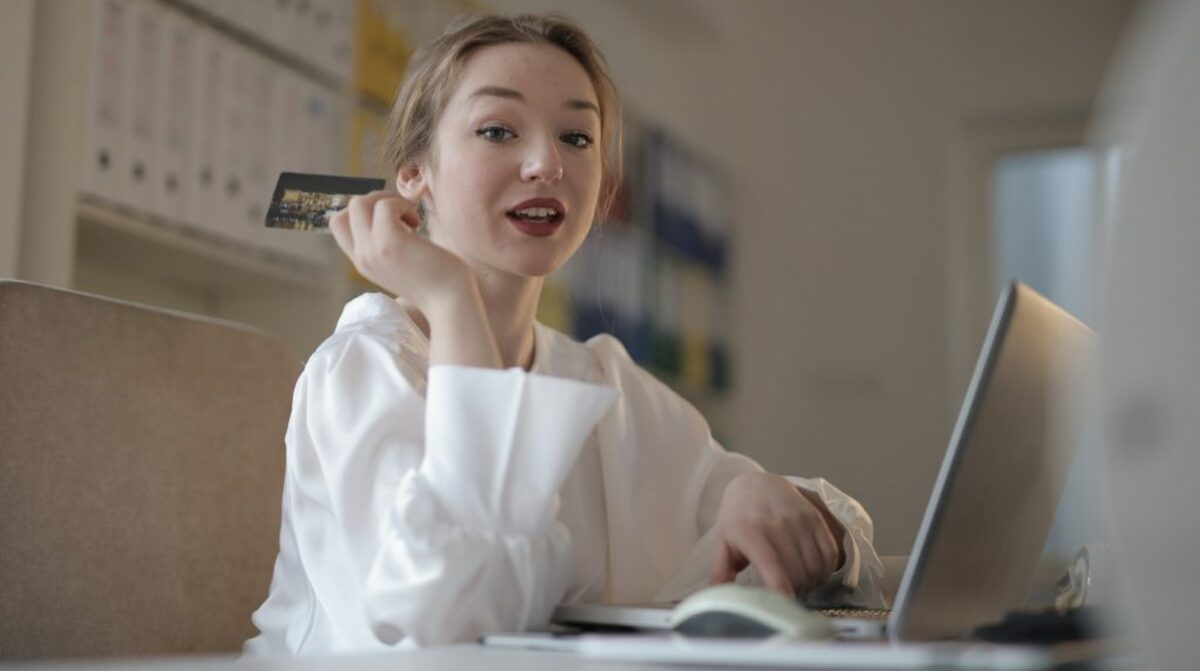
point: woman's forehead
(538, 74)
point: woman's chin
(532, 263)
(533, 268)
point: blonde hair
(435, 68)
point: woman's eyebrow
(511, 94)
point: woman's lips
(536, 226)
(551, 203)
(533, 227)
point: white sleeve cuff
(836, 503)
(500, 443)
(858, 581)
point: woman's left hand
(789, 536)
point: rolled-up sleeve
(472, 543)
(859, 581)
(423, 519)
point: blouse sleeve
(673, 477)
(859, 581)
(429, 520)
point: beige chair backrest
(141, 469)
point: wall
(838, 121)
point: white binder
(341, 40)
(287, 115)
(144, 57)
(318, 119)
(274, 27)
(179, 114)
(337, 128)
(232, 140)
(222, 10)
(288, 28)
(260, 148)
(248, 16)
(286, 153)
(322, 27)
(106, 100)
(317, 123)
(203, 180)
(306, 44)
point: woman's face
(523, 125)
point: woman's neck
(511, 304)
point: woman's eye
(578, 140)
(495, 133)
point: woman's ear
(410, 182)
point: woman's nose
(543, 163)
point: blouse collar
(379, 307)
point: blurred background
(823, 198)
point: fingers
(364, 228)
(815, 569)
(725, 568)
(361, 209)
(786, 535)
(790, 560)
(391, 217)
(796, 561)
(764, 556)
(339, 226)
(806, 559)
(756, 551)
(827, 547)
(396, 210)
(820, 541)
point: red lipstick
(539, 217)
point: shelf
(162, 249)
(261, 45)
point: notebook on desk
(996, 493)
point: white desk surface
(451, 658)
(709, 656)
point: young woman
(454, 466)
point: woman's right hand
(377, 232)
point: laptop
(995, 496)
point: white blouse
(428, 505)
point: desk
(450, 658)
(472, 657)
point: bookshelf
(97, 233)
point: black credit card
(304, 202)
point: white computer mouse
(742, 611)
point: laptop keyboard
(856, 613)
